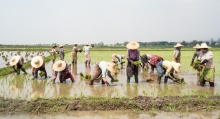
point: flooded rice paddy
(5, 56)
(23, 87)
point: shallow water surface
(23, 87)
(5, 56)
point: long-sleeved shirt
(207, 56)
(75, 49)
(118, 57)
(21, 61)
(102, 66)
(53, 51)
(87, 49)
(61, 51)
(168, 66)
(196, 55)
(177, 53)
(133, 54)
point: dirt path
(175, 103)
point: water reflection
(14, 86)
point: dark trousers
(20, 67)
(41, 69)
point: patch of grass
(3, 104)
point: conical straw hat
(133, 45)
(178, 45)
(197, 46)
(14, 60)
(204, 45)
(59, 65)
(61, 45)
(111, 67)
(176, 66)
(37, 61)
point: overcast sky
(110, 21)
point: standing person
(53, 51)
(177, 52)
(118, 58)
(101, 69)
(86, 49)
(37, 64)
(74, 53)
(18, 62)
(132, 55)
(151, 59)
(62, 68)
(61, 52)
(196, 53)
(168, 68)
(206, 58)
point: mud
(61, 105)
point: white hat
(37, 61)
(204, 45)
(87, 43)
(122, 56)
(75, 43)
(197, 46)
(178, 45)
(148, 56)
(61, 45)
(133, 45)
(14, 60)
(59, 65)
(111, 67)
(176, 66)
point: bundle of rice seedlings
(42, 73)
(137, 63)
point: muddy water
(5, 56)
(23, 87)
(120, 115)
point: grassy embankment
(61, 105)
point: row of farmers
(202, 61)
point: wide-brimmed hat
(197, 46)
(133, 45)
(87, 43)
(122, 56)
(75, 43)
(176, 66)
(59, 65)
(111, 67)
(54, 46)
(178, 45)
(14, 60)
(37, 61)
(148, 56)
(204, 45)
(61, 45)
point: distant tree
(125, 43)
(101, 44)
(184, 43)
(212, 42)
(194, 42)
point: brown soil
(39, 106)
